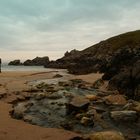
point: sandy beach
(12, 83)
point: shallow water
(6, 67)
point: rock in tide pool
(115, 100)
(77, 104)
(107, 135)
(92, 97)
(133, 105)
(136, 107)
(40, 96)
(124, 116)
(19, 110)
(87, 121)
(98, 83)
(57, 76)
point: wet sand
(12, 86)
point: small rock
(54, 96)
(83, 86)
(124, 115)
(87, 121)
(2, 95)
(28, 118)
(99, 109)
(77, 104)
(115, 100)
(107, 135)
(79, 116)
(19, 110)
(98, 83)
(136, 107)
(92, 97)
(133, 105)
(20, 98)
(32, 90)
(64, 84)
(57, 76)
(40, 96)
(67, 125)
(91, 113)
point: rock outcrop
(38, 61)
(117, 57)
(15, 62)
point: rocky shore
(78, 104)
(117, 57)
(102, 105)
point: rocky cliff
(38, 61)
(117, 57)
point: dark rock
(3, 95)
(86, 121)
(98, 83)
(38, 61)
(124, 116)
(128, 81)
(57, 76)
(78, 138)
(54, 96)
(15, 62)
(67, 125)
(77, 104)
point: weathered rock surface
(107, 135)
(115, 100)
(78, 103)
(124, 116)
(19, 110)
(128, 81)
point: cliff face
(102, 56)
(116, 57)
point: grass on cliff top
(117, 42)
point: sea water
(6, 67)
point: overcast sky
(30, 28)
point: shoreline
(12, 83)
(12, 129)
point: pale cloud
(31, 28)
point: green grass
(117, 42)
